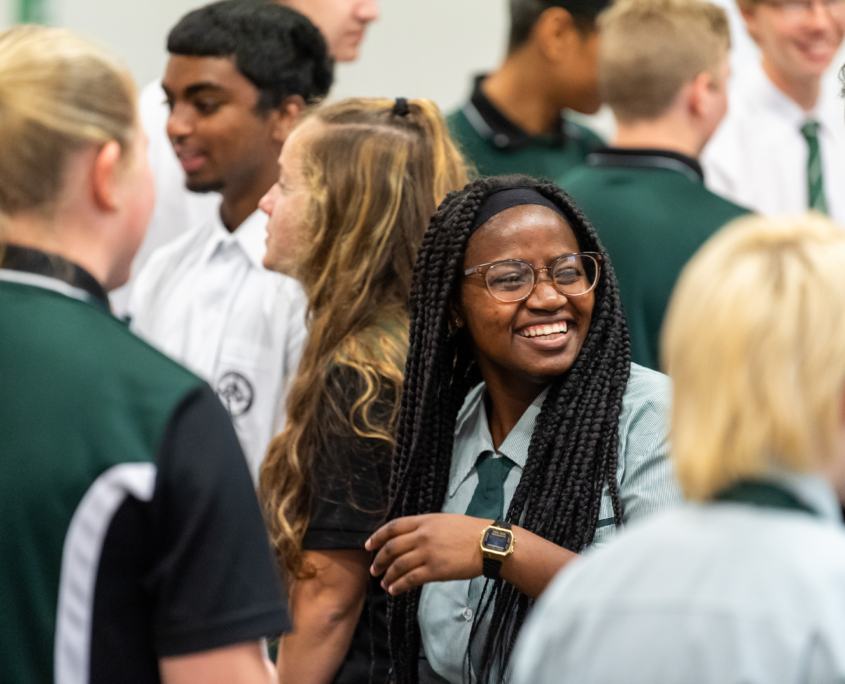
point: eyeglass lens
(512, 281)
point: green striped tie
(815, 179)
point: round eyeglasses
(514, 280)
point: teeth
(552, 329)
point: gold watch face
(496, 541)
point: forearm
(314, 652)
(534, 562)
(326, 608)
(441, 547)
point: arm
(439, 547)
(326, 609)
(239, 664)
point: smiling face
(221, 142)
(287, 202)
(527, 343)
(342, 22)
(796, 44)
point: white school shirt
(758, 156)
(176, 209)
(205, 300)
(717, 593)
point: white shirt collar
(250, 236)
(766, 96)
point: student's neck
(239, 203)
(802, 91)
(518, 90)
(72, 240)
(506, 402)
(663, 133)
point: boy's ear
(287, 116)
(698, 91)
(555, 32)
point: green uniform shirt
(652, 212)
(497, 146)
(129, 528)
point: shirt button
(467, 614)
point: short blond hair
(651, 48)
(754, 341)
(58, 92)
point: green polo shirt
(129, 526)
(497, 146)
(652, 212)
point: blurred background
(418, 48)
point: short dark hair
(279, 50)
(526, 13)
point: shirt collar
(765, 95)
(646, 158)
(503, 133)
(813, 490)
(473, 437)
(250, 236)
(24, 260)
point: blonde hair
(651, 48)
(754, 340)
(58, 93)
(376, 174)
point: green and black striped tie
(815, 178)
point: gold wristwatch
(496, 544)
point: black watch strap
(492, 567)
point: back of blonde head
(651, 48)
(58, 92)
(754, 341)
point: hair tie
(400, 107)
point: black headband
(511, 196)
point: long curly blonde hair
(376, 173)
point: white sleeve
(292, 310)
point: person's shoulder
(721, 207)
(579, 179)
(647, 386)
(165, 258)
(583, 136)
(134, 357)
(460, 126)
(99, 352)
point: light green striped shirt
(646, 485)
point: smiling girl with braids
(522, 420)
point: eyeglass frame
(597, 256)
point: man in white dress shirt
(781, 148)
(343, 24)
(746, 583)
(239, 76)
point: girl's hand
(437, 547)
